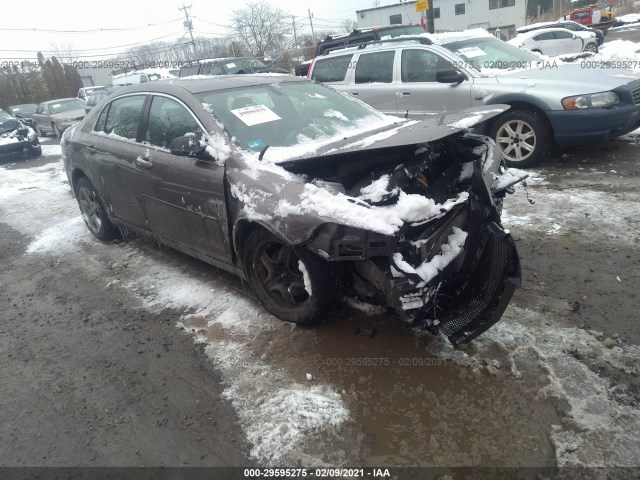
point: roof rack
(363, 44)
(422, 40)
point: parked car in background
(227, 66)
(16, 138)
(84, 92)
(55, 116)
(135, 77)
(97, 96)
(561, 104)
(307, 194)
(556, 41)
(24, 112)
(568, 24)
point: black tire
(56, 131)
(591, 47)
(93, 212)
(522, 137)
(271, 266)
(40, 132)
(34, 151)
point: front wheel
(93, 212)
(291, 282)
(34, 151)
(521, 136)
(591, 47)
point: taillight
(313, 62)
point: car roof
(60, 100)
(207, 83)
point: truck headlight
(594, 100)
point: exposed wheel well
(240, 233)
(76, 175)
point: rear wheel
(40, 132)
(56, 131)
(522, 137)
(93, 212)
(291, 282)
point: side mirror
(450, 75)
(186, 146)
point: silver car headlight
(594, 100)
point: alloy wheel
(517, 140)
(90, 209)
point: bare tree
(349, 25)
(65, 52)
(261, 26)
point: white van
(132, 78)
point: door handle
(405, 94)
(355, 94)
(143, 163)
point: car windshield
(287, 113)
(26, 108)
(66, 106)
(488, 53)
(7, 122)
(236, 65)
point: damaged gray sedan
(307, 194)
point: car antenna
(262, 152)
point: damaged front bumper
(454, 274)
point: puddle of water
(413, 404)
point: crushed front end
(455, 271)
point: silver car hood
(70, 115)
(572, 76)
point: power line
(96, 30)
(86, 50)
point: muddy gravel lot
(128, 354)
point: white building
(449, 15)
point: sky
(139, 21)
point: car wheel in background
(34, 151)
(275, 272)
(40, 132)
(56, 131)
(522, 137)
(93, 212)
(591, 47)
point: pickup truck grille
(635, 93)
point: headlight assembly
(593, 100)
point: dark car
(306, 193)
(568, 24)
(24, 112)
(227, 66)
(16, 138)
(55, 116)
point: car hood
(404, 133)
(557, 75)
(78, 114)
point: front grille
(635, 93)
(471, 313)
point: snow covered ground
(299, 402)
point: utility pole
(187, 23)
(295, 36)
(313, 35)
(430, 22)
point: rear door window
(121, 117)
(332, 69)
(375, 67)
